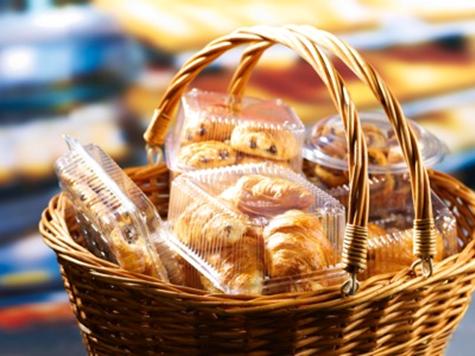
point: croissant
(295, 245)
(259, 195)
(240, 267)
(134, 257)
(204, 227)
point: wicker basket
(401, 313)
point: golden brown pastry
(239, 267)
(134, 257)
(377, 155)
(267, 196)
(295, 245)
(278, 145)
(207, 154)
(330, 177)
(243, 158)
(214, 123)
(386, 255)
(374, 230)
(205, 227)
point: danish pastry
(212, 124)
(295, 245)
(207, 154)
(258, 195)
(134, 257)
(275, 144)
(203, 227)
(241, 267)
(330, 177)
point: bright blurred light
(17, 61)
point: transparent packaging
(217, 130)
(391, 208)
(118, 222)
(256, 229)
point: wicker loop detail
(355, 248)
(426, 264)
(154, 154)
(425, 246)
(351, 286)
(424, 238)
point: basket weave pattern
(401, 313)
(118, 311)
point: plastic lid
(326, 144)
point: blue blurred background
(96, 69)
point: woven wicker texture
(120, 312)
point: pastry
(206, 130)
(374, 230)
(243, 158)
(133, 256)
(329, 177)
(393, 252)
(211, 122)
(258, 195)
(296, 246)
(240, 268)
(202, 227)
(207, 154)
(274, 144)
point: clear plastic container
(216, 130)
(325, 151)
(256, 229)
(390, 244)
(391, 209)
(118, 222)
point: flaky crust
(274, 144)
(259, 195)
(134, 257)
(207, 154)
(205, 227)
(295, 246)
(240, 267)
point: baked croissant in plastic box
(256, 228)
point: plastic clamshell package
(256, 229)
(117, 220)
(217, 130)
(390, 241)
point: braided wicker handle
(424, 229)
(355, 246)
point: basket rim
(54, 229)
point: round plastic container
(326, 146)
(391, 208)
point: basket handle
(424, 228)
(355, 247)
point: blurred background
(96, 69)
